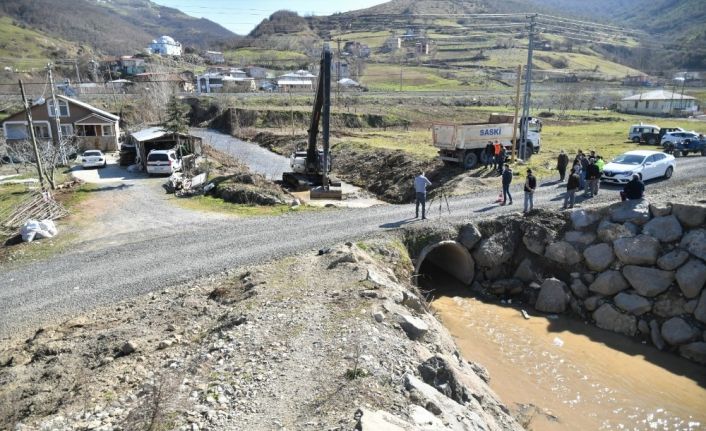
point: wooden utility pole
(56, 111)
(517, 109)
(28, 113)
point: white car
(647, 164)
(672, 138)
(162, 162)
(93, 159)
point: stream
(577, 376)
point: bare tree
(51, 156)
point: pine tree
(177, 121)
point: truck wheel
(652, 141)
(677, 153)
(529, 150)
(636, 139)
(684, 153)
(703, 152)
(470, 160)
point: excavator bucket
(333, 193)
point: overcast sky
(241, 16)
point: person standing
(561, 163)
(530, 187)
(502, 157)
(593, 174)
(420, 188)
(572, 185)
(498, 165)
(584, 172)
(506, 179)
(634, 189)
(489, 155)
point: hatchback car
(93, 159)
(162, 162)
(647, 164)
(675, 137)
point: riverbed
(575, 376)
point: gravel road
(155, 257)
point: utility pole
(78, 75)
(56, 110)
(517, 109)
(338, 71)
(28, 113)
(528, 88)
(400, 74)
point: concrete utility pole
(528, 88)
(517, 109)
(338, 71)
(28, 113)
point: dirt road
(169, 245)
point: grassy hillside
(24, 48)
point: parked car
(636, 131)
(683, 148)
(93, 159)
(674, 137)
(162, 162)
(647, 164)
(656, 138)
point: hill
(113, 26)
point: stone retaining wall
(632, 268)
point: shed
(156, 138)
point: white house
(301, 80)
(233, 81)
(165, 45)
(658, 102)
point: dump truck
(464, 144)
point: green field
(26, 49)
(387, 77)
(243, 56)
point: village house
(301, 80)
(165, 45)
(92, 127)
(256, 72)
(221, 80)
(658, 102)
(637, 81)
(124, 66)
(214, 57)
(156, 138)
(182, 82)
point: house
(156, 138)
(124, 66)
(658, 102)
(637, 81)
(301, 80)
(256, 72)
(231, 81)
(165, 45)
(92, 127)
(214, 57)
(182, 82)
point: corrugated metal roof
(149, 134)
(659, 95)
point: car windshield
(629, 159)
(92, 154)
(159, 157)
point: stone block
(695, 243)
(647, 281)
(665, 229)
(609, 318)
(691, 278)
(673, 260)
(552, 296)
(633, 304)
(563, 253)
(677, 331)
(633, 211)
(599, 257)
(690, 215)
(609, 283)
(639, 250)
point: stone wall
(633, 267)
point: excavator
(311, 169)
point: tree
(51, 155)
(177, 121)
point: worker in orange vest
(497, 149)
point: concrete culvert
(448, 257)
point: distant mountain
(113, 26)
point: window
(16, 131)
(108, 130)
(67, 130)
(636, 104)
(647, 104)
(63, 108)
(41, 131)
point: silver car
(647, 164)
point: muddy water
(578, 376)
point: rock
(415, 327)
(438, 373)
(164, 344)
(512, 286)
(579, 289)
(469, 235)
(128, 348)
(580, 238)
(669, 305)
(607, 317)
(376, 420)
(660, 210)
(673, 260)
(694, 351)
(599, 257)
(563, 253)
(582, 219)
(552, 296)
(422, 417)
(695, 242)
(700, 310)
(639, 250)
(633, 211)
(345, 257)
(525, 271)
(690, 215)
(633, 304)
(609, 232)
(656, 335)
(379, 316)
(493, 251)
(648, 282)
(537, 237)
(609, 283)
(676, 331)
(106, 360)
(691, 278)
(690, 306)
(665, 229)
(592, 302)
(643, 327)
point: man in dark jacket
(530, 187)
(634, 189)
(507, 179)
(489, 156)
(501, 158)
(561, 163)
(593, 174)
(572, 185)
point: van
(162, 162)
(636, 131)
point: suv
(162, 162)
(656, 138)
(636, 131)
(673, 138)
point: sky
(241, 16)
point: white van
(637, 130)
(162, 162)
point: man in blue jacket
(420, 188)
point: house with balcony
(301, 80)
(165, 45)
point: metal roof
(659, 95)
(89, 107)
(149, 134)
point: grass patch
(416, 142)
(216, 205)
